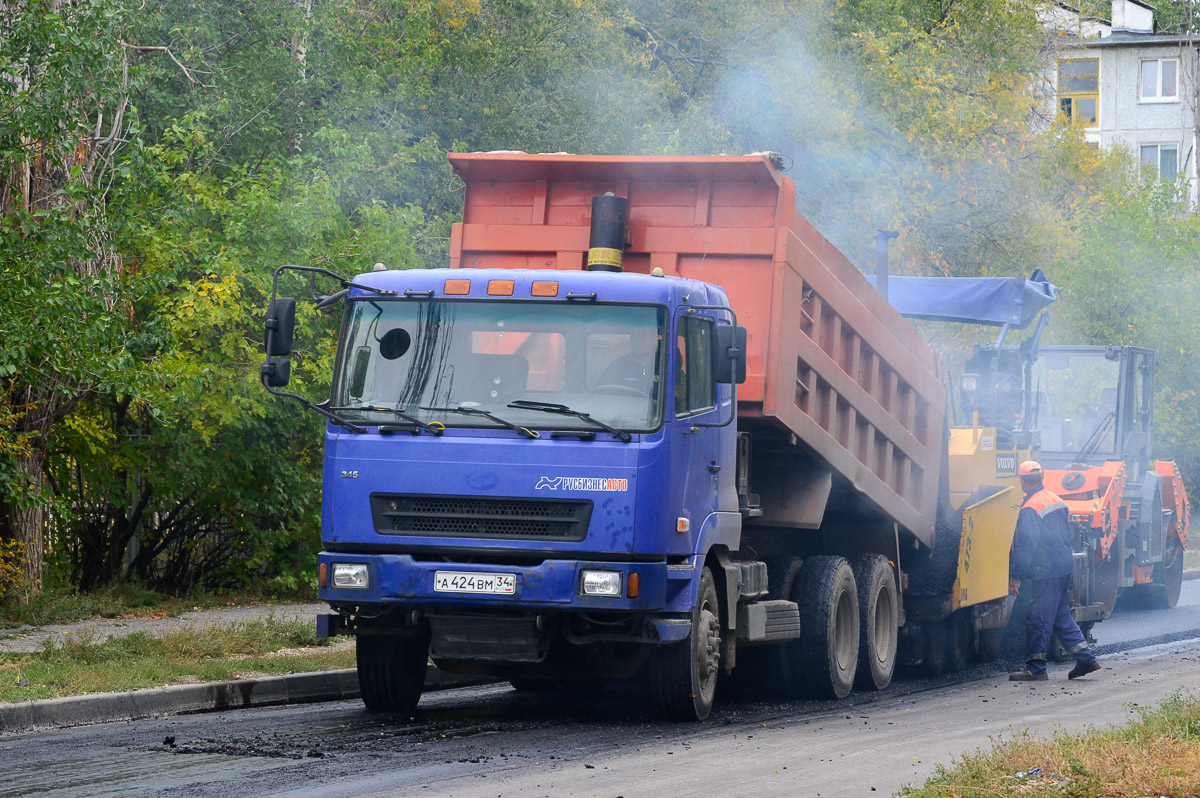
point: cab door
(696, 463)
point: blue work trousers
(1050, 612)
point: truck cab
(545, 487)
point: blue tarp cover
(975, 300)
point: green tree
(63, 287)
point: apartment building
(1128, 86)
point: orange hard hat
(1030, 468)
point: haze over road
(492, 741)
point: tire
(1107, 579)
(391, 670)
(958, 640)
(879, 609)
(935, 648)
(829, 623)
(684, 674)
(991, 643)
(1168, 576)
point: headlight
(969, 382)
(602, 583)
(350, 574)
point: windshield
(425, 358)
(1077, 401)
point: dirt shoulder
(26, 639)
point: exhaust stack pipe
(607, 239)
(882, 239)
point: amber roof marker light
(457, 287)
(544, 288)
(500, 288)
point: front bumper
(553, 585)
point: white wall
(1127, 121)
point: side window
(1142, 387)
(695, 390)
(681, 369)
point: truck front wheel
(829, 624)
(684, 674)
(391, 670)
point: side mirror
(281, 324)
(729, 354)
(276, 372)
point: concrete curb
(297, 688)
(1192, 574)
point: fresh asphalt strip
(297, 688)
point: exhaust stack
(882, 238)
(607, 239)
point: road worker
(1042, 553)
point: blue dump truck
(648, 426)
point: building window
(1079, 90)
(1160, 80)
(1162, 158)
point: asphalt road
(492, 741)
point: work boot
(1083, 669)
(1028, 676)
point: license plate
(463, 582)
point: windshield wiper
(563, 410)
(374, 409)
(475, 411)
(1098, 435)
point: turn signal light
(457, 287)
(544, 288)
(633, 584)
(500, 288)
(323, 575)
(683, 525)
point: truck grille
(473, 517)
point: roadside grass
(67, 606)
(1156, 755)
(81, 665)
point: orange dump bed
(828, 358)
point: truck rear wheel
(878, 608)
(829, 623)
(391, 670)
(684, 674)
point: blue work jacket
(1042, 543)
